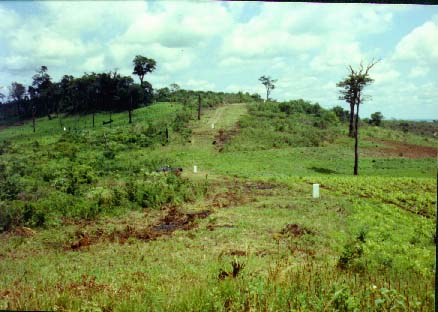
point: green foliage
(294, 123)
(156, 189)
(9, 183)
(376, 119)
(11, 215)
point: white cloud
(227, 46)
(94, 64)
(420, 44)
(9, 20)
(419, 71)
(338, 55)
(196, 84)
(384, 73)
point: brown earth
(173, 220)
(223, 137)
(239, 193)
(237, 267)
(399, 149)
(295, 230)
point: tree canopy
(268, 82)
(143, 66)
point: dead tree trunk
(356, 141)
(351, 128)
(199, 107)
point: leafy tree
(17, 92)
(341, 113)
(42, 88)
(174, 87)
(353, 91)
(143, 66)
(269, 84)
(347, 94)
(2, 96)
(376, 119)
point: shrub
(10, 186)
(156, 189)
(11, 214)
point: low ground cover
(93, 227)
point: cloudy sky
(227, 46)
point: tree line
(101, 92)
(92, 92)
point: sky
(227, 46)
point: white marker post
(315, 191)
(195, 169)
(212, 126)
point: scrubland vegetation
(89, 224)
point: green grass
(365, 245)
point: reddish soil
(223, 137)
(399, 149)
(237, 267)
(173, 220)
(239, 193)
(237, 253)
(295, 230)
(23, 231)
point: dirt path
(224, 117)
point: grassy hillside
(89, 225)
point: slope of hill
(89, 225)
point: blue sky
(226, 46)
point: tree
(174, 88)
(352, 92)
(341, 113)
(347, 94)
(2, 96)
(42, 86)
(142, 66)
(17, 92)
(269, 84)
(376, 119)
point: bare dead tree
(352, 93)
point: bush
(157, 189)
(376, 119)
(11, 215)
(10, 186)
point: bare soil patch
(295, 230)
(399, 149)
(237, 253)
(237, 267)
(240, 193)
(172, 220)
(223, 137)
(23, 231)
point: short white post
(65, 129)
(195, 169)
(212, 126)
(315, 191)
